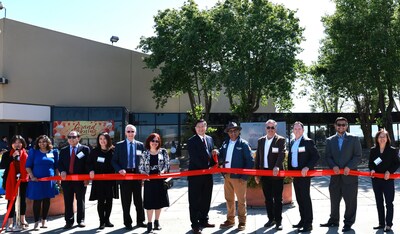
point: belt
(130, 170)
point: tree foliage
(247, 47)
(183, 49)
(360, 57)
(259, 42)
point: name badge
(80, 155)
(377, 161)
(139, 152)
(100, 159)
(275, 150)
(50, 155)
(302, 149)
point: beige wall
(51, 68)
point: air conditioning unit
(3, 80)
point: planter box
(255, 196)
(56, 206)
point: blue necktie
(130, 159)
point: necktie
(204, 142)
(130, 159)
(71, 161)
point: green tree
(258, 44)
(183, 49)
(360, 58)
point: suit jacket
(199, 156)
(349, 156)
(274, 159)
(80, 164)
(390, 160)
(120, 159)
(241, 156)
(308, 158)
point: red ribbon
(214, 170)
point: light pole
(5, 10)
(114, 39)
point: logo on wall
(87, 129)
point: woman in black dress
(383, 159)
(99, 161)
(154, 160)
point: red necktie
(71, 161)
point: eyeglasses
(382, 136)
(72, 137)
(232, 131)
(130, 131)
(155, 141)
(341, 125)
(270, 127)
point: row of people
(129, 156)
(343, 151)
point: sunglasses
(155, 141)
(72, 137)
(341, 125)
(130, 131)
(270, 127)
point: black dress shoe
(270, 223)
(387, 229)
(346, 228)
(208, 225)
(329, 224)
(305, 229)
(278, 227)
(67, 226)
(129, 227)
(108, 224)
(81, 224)
(141, 225)
(102, 226)
(299, 225)
(196, 231)
(379, 227)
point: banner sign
(87, 129)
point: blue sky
(130, 19)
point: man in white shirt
(235, 153)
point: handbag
(168, 183)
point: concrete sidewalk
(175, 219)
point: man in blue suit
(200, 187)
(126, 160)
(235, 153)
(303, 155)
(343, 151)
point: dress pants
(71, 188)
(272, 189)
(384, 188)
(302, 190)
(22, 196)
(238, 187)
(339, 188)
(129, 189)
(200, 192)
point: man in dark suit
(235, 153)
(73, 160)
(269, 156)
(200, 187)
(126, 160)
(343, 151)
(303, 155)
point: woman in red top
(14, 163)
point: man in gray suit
(343, 151)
